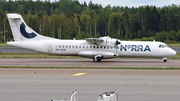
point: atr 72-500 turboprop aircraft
(95, 48)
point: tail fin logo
(26, 34)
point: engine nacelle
(103, 41)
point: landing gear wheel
(99, 59)
(95, 59)
(165, 59)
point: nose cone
(173, 52)
(170, 52)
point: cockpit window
(163, 46)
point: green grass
(41, 55)
(4, 45)
(174, 45)
(177, 56)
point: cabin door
(50, 48)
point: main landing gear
(97, 58)
(165, 59)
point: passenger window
(90, 46)
(59, 46)
(79, 46)
(101, 47)
(69, 46)
(83, 46)
(94, 46)
(86, 46)
(97, 46)
(76, 46)
(104, 47)
(63, 46)
(72, 46)
(66, 46)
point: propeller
(117, 43)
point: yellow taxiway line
(78, 74)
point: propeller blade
(117, 42)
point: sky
(130, 3)
(133, 3)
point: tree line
(67, 19)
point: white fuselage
(82, 48)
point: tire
(165, 60)
(95, 59)
(99, 59)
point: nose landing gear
(165, 59)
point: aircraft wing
(95, 41)
(103, 41)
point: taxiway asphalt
(46, 84)
(83, 62)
